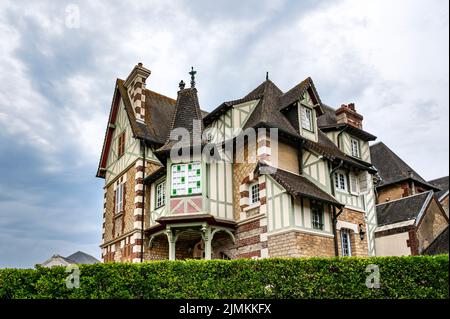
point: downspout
(300, 158)
(338, 139)
(335, 216)
(143, 206)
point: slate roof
(76, 258)
(187, 110)
(298, 185)
(442, 183)
(328, 122)
(393, 169)
(439, 245)
(82, 258)
(401, 210)
(160, 117)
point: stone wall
(358, 247)
(298, 244)
(431, 225)
(392, 192)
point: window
(355, 148)
(160, 194)
(254, 193)
(317, 216)
(345, 242)
(354, 189)
(186, 179)
(121, 144)
(119, 203)
(340, 182)
(306, 115)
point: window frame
(358, 147)
(186, 181)
(252, 194)
(119, 197)
(337, 181)
(158, 186)
(121, 145)
(317, 209)
(310, 118)
(347, 233)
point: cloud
(57, 85)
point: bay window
(186, 179)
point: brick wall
(251, 239)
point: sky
(59, 61)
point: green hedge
(400, 277)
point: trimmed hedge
(400, 277)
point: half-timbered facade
(271, 174)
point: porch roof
(189, 218)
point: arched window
(345, 242)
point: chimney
(347, 114)
(135, 85)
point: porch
(196, 236)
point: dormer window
(307, 118)
(355, 148)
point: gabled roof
(295, 94)
(442, 183)
(404, 209)
(439, 245)
(267, 110)
(392, 168)
(187, 110)
(298, 186)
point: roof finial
(267, 76)
(181, 85)
(192, 73)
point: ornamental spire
(192, 73)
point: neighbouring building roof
(77, 258)
(82, 258)
(400, 210)
(392, 169)
(439, 245)
(442, 183)
(298, 185)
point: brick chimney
(348, 115)
(135, 85)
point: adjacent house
(442, 195)
(409, 212)
(76, 258)
(269, 174)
